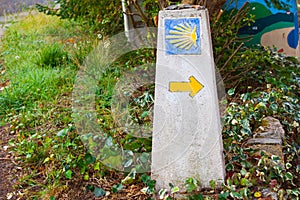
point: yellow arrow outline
(193, 86)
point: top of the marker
(184, 6)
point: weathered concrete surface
(187, 130)
(269, 149)
(265, 141)
(268, 137)
(270, 128)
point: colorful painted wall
(273, 26)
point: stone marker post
(187, 138)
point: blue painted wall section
(269, 18)
(182, 36)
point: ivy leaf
(46, 160)
(196, 197)
(288, 165)
(191, 184)
(212, 184)
(63, 132)
(275, 158)
(174, 190)
(145, 178)
(236, 195)
(109, 142)
(162, 193)
(145, 114)
(128, 163)
(244, 182)
(294, 192)
(246, 96)
(289, 176)
(97, 166)
(230, 167)
(130, 177)
(223, 196)
(89, 159)
(230, 92)
(69, 174)
(99, 192)
(117, 188)
(144, 157)
(89, 187)
(257, 194)
(86, 177)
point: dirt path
(7, 166)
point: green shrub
(102, 15)
(52, 55)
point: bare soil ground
(8, 167)
(10, 172)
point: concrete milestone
(187, 138)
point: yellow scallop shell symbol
(183, 36)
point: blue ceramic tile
(182, 36)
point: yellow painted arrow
(193, 86)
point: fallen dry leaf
(70, 40)
(4, 85)
(9, 195)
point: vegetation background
(10, 7)
(40, 57)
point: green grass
(38, 61)
(41, 55)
